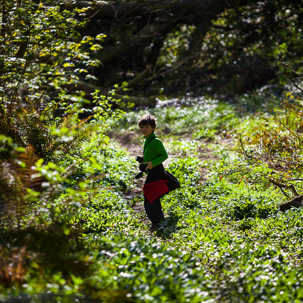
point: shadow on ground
(168, 226)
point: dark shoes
(156, 225)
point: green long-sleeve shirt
(154, 150)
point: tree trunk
(136, 32)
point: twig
(291, 131)
(281, 186)
(287, 65)
(244, 151)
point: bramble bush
(276, 140)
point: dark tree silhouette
(138, 33)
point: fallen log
(295, 202)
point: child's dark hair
(148, 119)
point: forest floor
(128, 140)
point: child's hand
(149, 165)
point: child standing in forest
(155, 186)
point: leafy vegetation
(223, 238)
(73, 228)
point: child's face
(146, 130)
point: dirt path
(128, 140)
(135, 198)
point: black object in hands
(139, 159)
(142, 167)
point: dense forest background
(201, 47)
(223, 78)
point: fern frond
(25, 170)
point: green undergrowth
(244, 248)
(200, 118)
(223, 239)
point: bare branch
(291, 80)
(282, 186)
